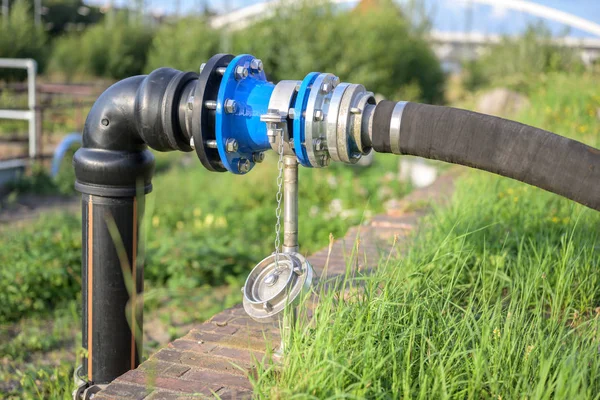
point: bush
(110, 49)
(183, 45)
(20, 38)
(516, 62)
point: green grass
(498, 297)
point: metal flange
(316, 119)
(299, 120)
(243, 97)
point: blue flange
(299, 118)
(251, 93)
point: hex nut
(230, 106)
(231, 145)
(256, 65)
(241, 72)
(243, 165)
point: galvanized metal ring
(332, 120)
(347, 147)
(395, 126)
(356, 121)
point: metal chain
(279, 197)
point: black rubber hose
(531, 155)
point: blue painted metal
(61, 151)
(252, 96)
(299, 118)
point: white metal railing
(30, 114)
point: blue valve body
(251, 95)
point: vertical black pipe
(113, 279)
(113, 186)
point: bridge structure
(454, 47)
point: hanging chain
(279, 197)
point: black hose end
(381, 126)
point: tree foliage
(20, 38)
(184, 45)
(114, 49)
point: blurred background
(536, 60)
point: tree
(20, 38)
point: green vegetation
(20, 38)
(518, 62)
(497, 298)
(115, 48)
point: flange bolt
(241, 72)
(230, 106)
(258, 157)
(243, 165)
(256, 65)
(319, 115)
(318, 144)
(231, 145)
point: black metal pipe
(531, 155)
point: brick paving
(216, 356)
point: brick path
(216, 356)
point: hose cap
(270, 287)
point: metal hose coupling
(235, 114)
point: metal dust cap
(268, 288)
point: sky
(447, 15)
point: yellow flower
(510, 191)
(209, 219)
(221, 222)
(179, 224)
(197, 223)
(155, 221)
(515, 199)
(566, 220)
(197, 212)
(497, 332)
(555, 220)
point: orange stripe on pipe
(90, 277)
(134, 276)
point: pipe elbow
(130, 116)
(111, 123)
